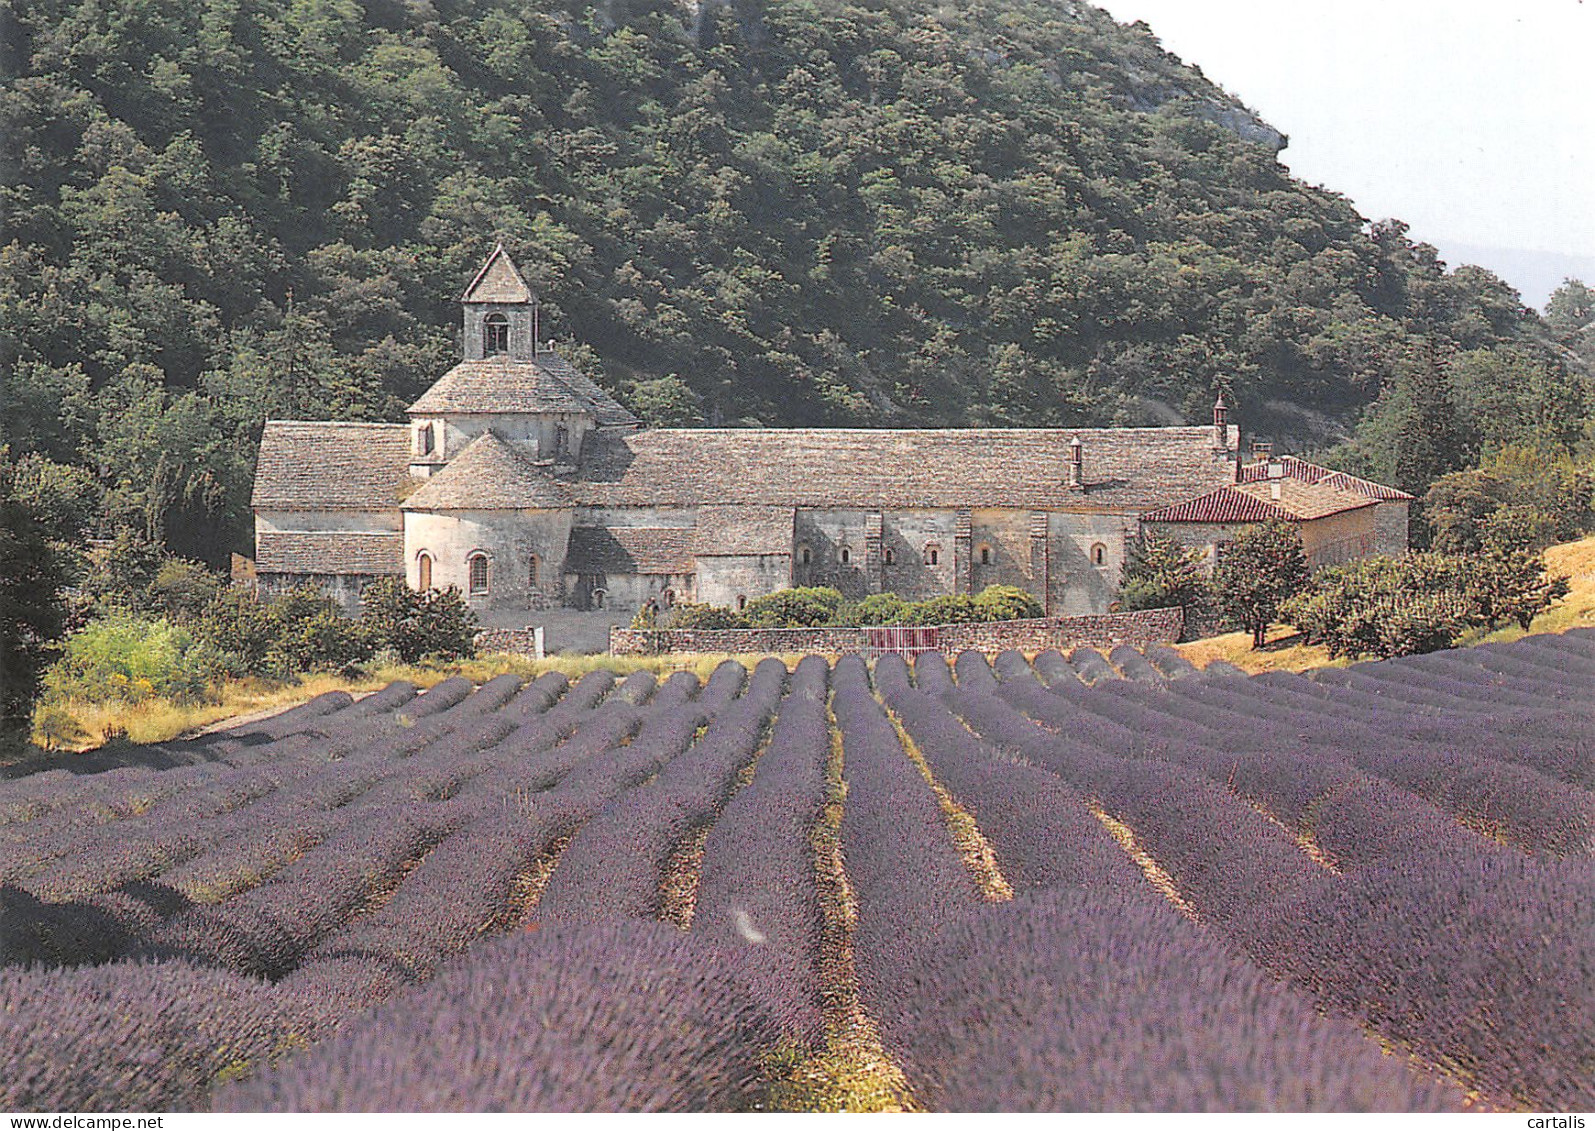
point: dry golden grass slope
(1284, 652)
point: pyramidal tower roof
(499, 280)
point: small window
(985, 555)
(806, 555)
(561, 441)
(495, 334)
(932, 554)
(742, 602)
(1099, 553)
(531, 572)
(847, 555)
(667, 599)
(599, 597)
(476, 572)
(423, 571)
(891, 556)
(423, 440)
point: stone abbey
(522, 482)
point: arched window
(476, 573)
(806, 555)
(932, 554)
(985, 555)
(667, 599)
(599, 596)
(531, 572)
(423, 571)
(495, 334)
(1099, 553)
(742, 602)
(890, 555)
(423, 440)
(846, 555)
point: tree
(30, 606)
(665, 402)
(1159, 573)
(1258, 572)
(1428, 438)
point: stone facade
(524, 484)
(1139, 629)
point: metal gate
(902, 640)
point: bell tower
(501, 313)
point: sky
(1473, 122)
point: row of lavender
(371, 847)
(271, 884)
(1409, 842)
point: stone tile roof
(546, 383)
(737, 530)
(1312, 473)
(499, 280)
(327, 465)
(489, 475)
(1126, 469)
(329, 552)
(630, 549)
(1254, 502)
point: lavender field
(1093, 882)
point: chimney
(1261, 451)
(1221, 424)
(1076, 480)
(1274, 489)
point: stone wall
(516, 641)
(1154, 626)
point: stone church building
(523, 483)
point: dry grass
(1154, 872)
(972, 844)
(678, 893)
(852, 1072)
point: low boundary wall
(517, 641)
(1152, 626)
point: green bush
(1420, 602)
(415, 625)
(949, 608)
(794, 608)
(878, 608)
(689, 615)
(1007, 602)
(1159, 573)
(129, 659)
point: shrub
(413, 625)
(878, 608)
(950, 608)
(689, 615)
(794, 608)
(130, 659)
(1007, 602)
(1159, 573)
(1421, 602)
(182, 589)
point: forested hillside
(789, 211)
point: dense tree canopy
(790, 211)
